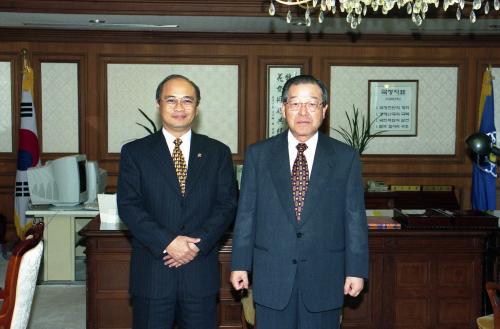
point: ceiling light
(97, 21)
(356, 9)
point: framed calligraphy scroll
(392, 107)
(277, 75)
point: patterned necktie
(180, 165)
(300, 179)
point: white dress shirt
(308, 153)
(185, 145)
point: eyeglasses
(187, 102)
(311, 106)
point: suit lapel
(164, 159)
(197, 160)
(280, 170)
(323, 166)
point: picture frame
(277, 75)
(393, 107)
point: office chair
(20, 280)
(491, 321)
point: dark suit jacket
(151, 205)
(328, 244)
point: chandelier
(357, 9)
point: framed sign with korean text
(277, 75)
(392, 107)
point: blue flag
(484, 171)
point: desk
(60, 238)
(418, 279)
(108, 264)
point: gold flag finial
(24, 55)
(27, 71)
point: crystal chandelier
(357, 9)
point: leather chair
(20, 280)
(491, 321)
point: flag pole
(28, 152)
(24, 55)
(484, 170)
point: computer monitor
(96, 180)
(61, 182)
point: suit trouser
(296, 315)
(187, 311)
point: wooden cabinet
(108, 261)
(418, 279)
(421, 279)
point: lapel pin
(199, 155)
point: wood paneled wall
(92, 49)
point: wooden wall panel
(167, 58)
(65, 57)
(134, 7)
(92, 49)
(7, 203)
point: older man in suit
(301, 224)
(177, 195)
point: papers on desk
(496, 213)
(380, 212)
(381, 219)
(108, 210)
(382, 223)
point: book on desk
(382, 223)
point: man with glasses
(301, 225)
(177, 196)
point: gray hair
(301, 80)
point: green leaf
(151, 122)
(147, 129)
(357, 134)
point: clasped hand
(181, 251)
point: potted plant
(358, 133)
(151, 122)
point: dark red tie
(300, 179)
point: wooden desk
(418, 279)
(421, 279)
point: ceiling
(248, 24)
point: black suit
(151, 205)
